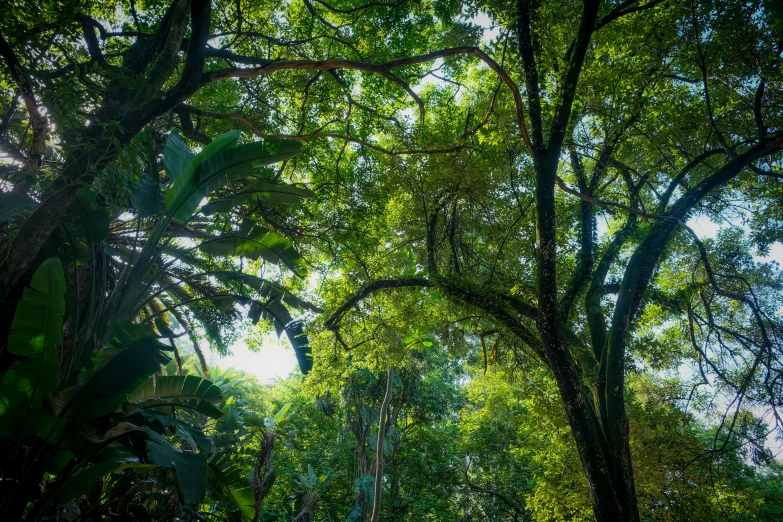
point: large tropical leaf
(176, 155)
(257, 242)
(176, 386)
(220, 162)
(235, 163)
(227, 478)
(265, 288)
(183, 391)
(147, 197)
(273, 311)
(87, 219)
(133, 354)
(183, 197)
(301, 344)
(190, 469)
(83, 482)
(270, 194)
(281, 319)
(15, 206)
(169, 425)
(36, 333)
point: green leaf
(271, 194)
(301, 344)
(165, 424)
(273, 311)
(183, 196)
(176, 155)
(176, 386)
(236, 163)
(255, 243)
(36, 334)
(220, 162)
(147, 197)
(231, 479)
(280, 415)
(179, 391)
(132, 355)
(190, 469)
(265, 288)
(83, 482)
(89, 220)
(15, 206)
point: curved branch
(333, 322)
(684, 172)
(505, 309)
(384, 69)
(244, 120)
(608, 205)
(640, 269)
(361, 7)
(731, 295)
(91, 39)
(527, 53)
(758, 115)
(622, 10)
(494, 493)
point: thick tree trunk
(607, 504)
(33, 233)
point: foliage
(527, 188)
(114, 418)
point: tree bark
(376, 507)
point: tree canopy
(479, 225)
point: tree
(465, 444)
(630, 140)
(142, 80)
(651, 109)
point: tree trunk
(33, 233)
(376, 508)
(606, 493)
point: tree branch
(361, 7)
(664, 202)
(571, 78)
(38, 122)
(608, 205)
(333, 322)
(622, 10)
(641, 266)
(757, 113)
(384, 69)
(93, 48)
(320, 135)
(531, 71)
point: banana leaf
(227, 478)
(36, 334)
(220, 162)
(190, 469)
(270, 194)
(258, 242)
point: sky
(275, 360)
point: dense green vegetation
(479, 225)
